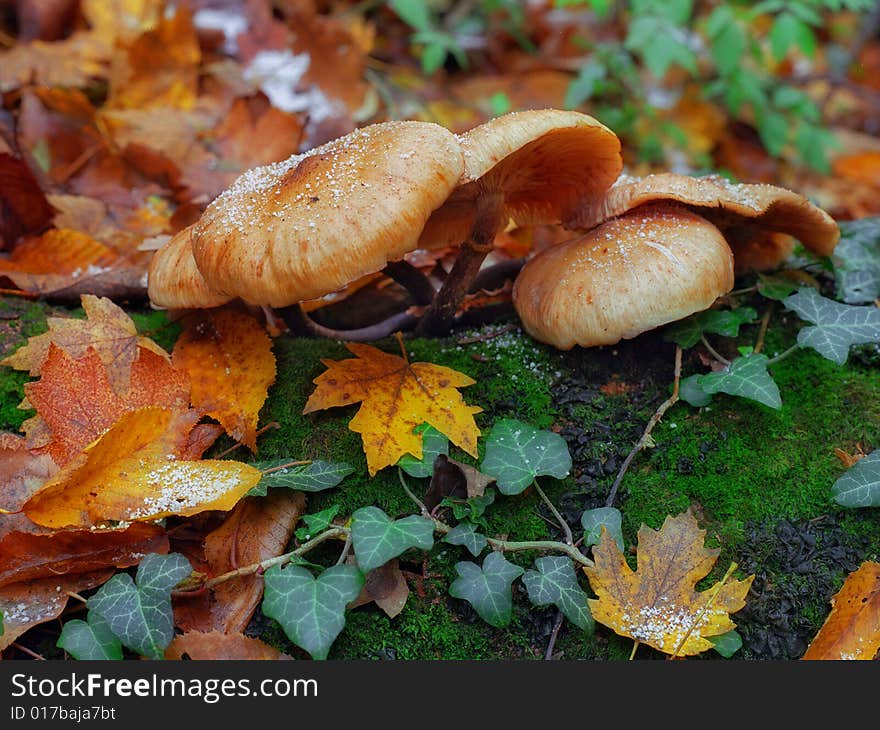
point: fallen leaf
(60, 251)
(130, 473)
(21, 472)
(453, 479)
(658, 604)
(23, 206)
(75, 61)
(852, 629)
(397, 396)
(215, 645)
(228, 357)
(385, 586)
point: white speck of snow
(230, 22)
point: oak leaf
(215, 645)
(396, 397)
(852, 629)
(131, 473)
(228, 357)
(658, 604)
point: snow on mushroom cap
(174, 280)
(309, 225)
(644, 269)
(545, 162)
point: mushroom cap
(309, 225)
(544, 163)
(644, 269)
(736, 208)
(175, 282)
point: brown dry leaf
(847, 459)
(76, 403)
(23, 206)
(257, 529)
(852, 629)
(59, 251)
(658, 604)
(228, 357)
(215, 645)
(863, 167)
(396, 396)
(21, 472)
(29, 603)
(385, 586)
(75, 61)
(106, 328)
(131, 473)
(25, 556)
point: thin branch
(27, 651)
(784, 354)
(548, 655)
(345, 549)
(762, 333)
(563, 525)
(699, 616)
(713, 352)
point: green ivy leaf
(487, 588)
(726, 644)
(90, 639)
(593, 520)
(776, 287)
(857, 261)
(471, 509)
(311, 610)
(554, 582)
(376, 538)
(687, 332)
(517, 453)
(465, 533)
(314, 477)
(139, 611)
(837, 326)
(316, 523)
(860, 484)
(434, 443)
(745, 377)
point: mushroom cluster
(650, 251)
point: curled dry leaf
(385, 586)
(228, 357)
(215, 645)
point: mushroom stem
(441, 314)
(301, 324)
(412, 279)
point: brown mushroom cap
(175, 282)
(544, 163)
(644, 269)
(309, 225)
(746, 212)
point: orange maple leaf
(228, 357)
(852, 629)
(396, 396)
(76, 403)
(657, 604)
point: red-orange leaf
(215, 645)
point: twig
(286, 465)
(632, 654)
(300, 323)
(226, 452)
(345, 549)
(77, 596)
(655, 419)
(548, 655)
(762, 333)
(784, 354)
(709, 602)
(713, 352)
(27, 651)
(563, 525)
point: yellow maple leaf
(852, 629)
(396, 396)
(229, 359)
(106, 328)
(657, 604)
(131, 473)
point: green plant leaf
(413, 12)
(860, 484)
(776, 287)
(90, 639)
(314, 477)
(487, 588)
(138, 611)
(434, 443)
(376, 538)
(687, 332)
(593, 520)
(311, 610)
(471, 509)
(773, 129)
(787, 31)
(745, 377)
(554, 582)
(583, 86)
(465, 533)
(856, 261)
(728, 44)
(727, 644)
(316, 523)
(837, 326)
(517, 453)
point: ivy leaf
(517, 453)
(555, 582)
(139, 611)
(465, 533)
(376, 538)
(90, 639)
(311, 610)
(726, 644)
(314, 477)
(857, 261)
(837, 326)
(593, 520)
(775, 287)
(471, 509)
(860, 485)
(316, 523)
(727, 322)
(487, 588)
(434, 443)
(746, 377)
